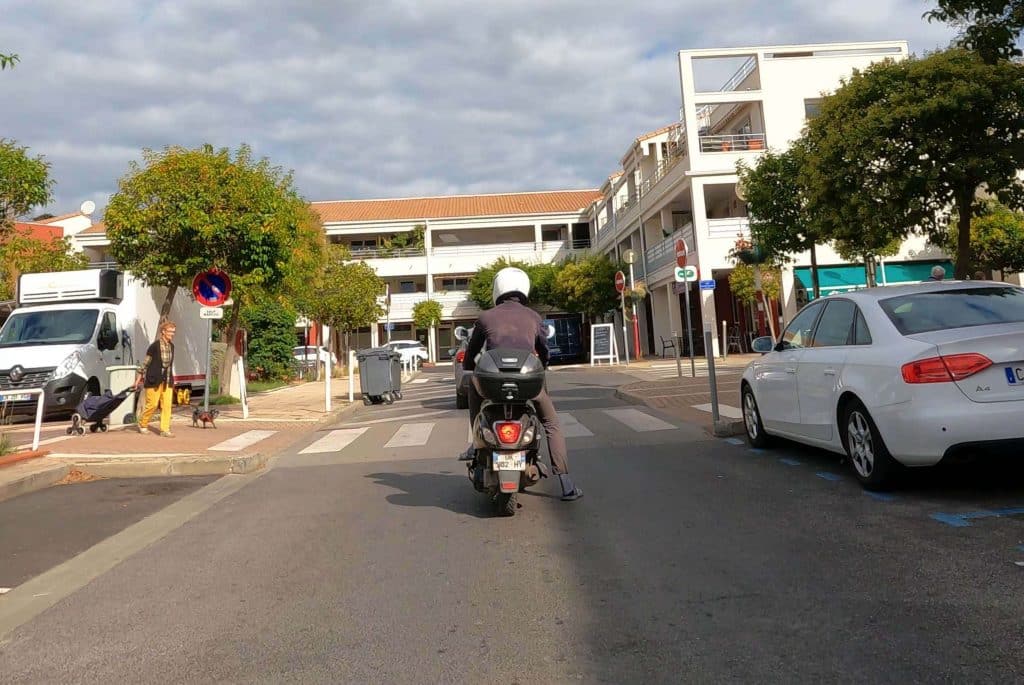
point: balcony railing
(664, 253)
(385, 253)
(731, 227)
(664, 167)
(739, 142)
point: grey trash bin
(378, 380)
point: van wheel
(872, 463)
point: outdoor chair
(666, 344)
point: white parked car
(899, 375)
(310, 354)
(409, 349)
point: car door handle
(790, 369)
(830, 372)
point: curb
(184, 465)
(22, 456)
(722, 429)
(30, 482)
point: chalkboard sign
(602, 344)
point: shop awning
(847, 277)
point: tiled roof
(510, 204)
(62, 217)
(663, 129)
(98, 228)
(39, 230)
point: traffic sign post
(211, 288)
(620, 286)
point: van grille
(33, 378)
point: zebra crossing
(667, 371)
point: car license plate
(1015, 375)
(509, 461)
(15, 397)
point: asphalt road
(364, 555)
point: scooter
(506, 432)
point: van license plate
(15, 397)
(509, 461)
(1015, 375)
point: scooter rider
(513, 325)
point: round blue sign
(211, 288)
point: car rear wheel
(872, 464)
(752, 421)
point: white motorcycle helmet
(508, 281)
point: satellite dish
(88, 207)
(741, 190)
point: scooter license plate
(509, 461)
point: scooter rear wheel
(505, 502)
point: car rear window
(945, 309)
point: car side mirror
(763, 345)
(461, 333)
(551, 331)
(452, 351)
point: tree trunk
(815, 285)
(962, 270)
(228, 362)
(165, 309)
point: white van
(69, 327)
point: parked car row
(895, 376)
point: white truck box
(69, 327)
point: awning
(847, 277)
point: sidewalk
(688, 398)
(277, 418)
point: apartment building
(430, 248)
(679, 182)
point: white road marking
(242, 441)
(4, 590)
(335, 441)
(420, 380)
(571, 428)
(728, 411)
(407, 417)
(411, 435)
(638, 421)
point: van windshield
(53, 327)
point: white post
(39, 421)
(351, 377)
(725, 339)
(209, 352)
(327, 365)
(243, 391)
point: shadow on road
(444, 490)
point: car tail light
(508, 432)
(460, 356)
(954, 367)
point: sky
(383, 98)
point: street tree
(989, 27)
(904, 147)
(427, 314)
(187, 210)
(480, 286)
(8, 61)
(997, 240)
(347, 299)
(780, 223)
(272, 325)
(21, 253)
(24, 183)
(586, 286)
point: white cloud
(382, 99)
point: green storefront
(847, 277)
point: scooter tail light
(460, 356)
(508, 432)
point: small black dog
(205, 416)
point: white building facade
(680, 183)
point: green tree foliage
(186, 210)
(587, 286)
(989, 27)
(741, 282)
(8, 61)
(780, 223)
(426, 313)
(24, 183)
(904, 146)
(271, 326)
(414, 240)
(348, 295)
(997, 240)
(21, 253)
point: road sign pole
(209, 346)
(689, 332)
(625, 338)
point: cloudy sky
(383, 98)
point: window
(368, 244)
(109, 324)
(836, 324)
(407, 287)
(798, 333)
(946, 309)
(454, 284)
(862, 336)
(812, 108)
(551, 234)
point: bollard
(709, 351)
(351, 376)
(679, 363)
(723, 340)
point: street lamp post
(630, 257)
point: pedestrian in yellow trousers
(156, 375)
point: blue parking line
(879, 496)
(734, 441)
(962, 520)
(789, 462)
(755, 450)
(829, 476)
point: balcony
(731, 227)
(664, 253)
(385, 253)
(736, 142)
(455, 304)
